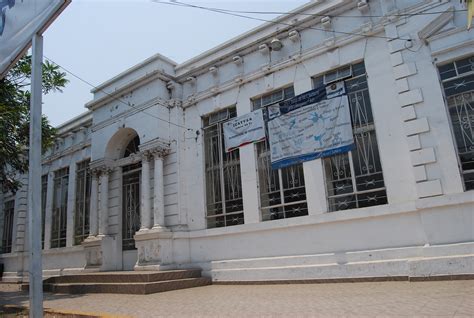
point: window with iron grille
(59, 217)
(44, 193)
(355, 179)
(223, 178)
(458, 83)
(282, 191)
(83, 194)
(7, 236)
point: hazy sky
(97, 39)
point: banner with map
(314, 131)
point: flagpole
(34, 182)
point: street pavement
(376, 299)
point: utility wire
(182, 4)
(329, 15)
(114, 97)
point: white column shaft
(93, 217)
(71, 204)
(145, 204)
(104, 204)
(159, 200)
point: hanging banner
(318, 130)
(307, 98)
(20, 20)
(244, 130)
(335, 89)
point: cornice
(157, 101)
(367, 29)
(143, 80)
(66, 152)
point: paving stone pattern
(376, 299)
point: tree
(14, 118)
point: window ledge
(339, 216)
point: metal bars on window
(131, 175)
(59, 217)
(355, 179)
(83, 194)
(282, 191)
(223, 177)
(458, 83)
(7, 236)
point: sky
(98, 39)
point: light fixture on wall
(363, 6)
(294, 35)
(237, 60)
(326, 22)
(191, 79)
(170, 85)
(213, 70)
(263, 48)
(276, 44)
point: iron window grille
(355, 179)
(224, 205)
(44, 198)
(83, 194)
(7, 236)
(131, 177)
(458, 83)
(59, 217)
(282, 191)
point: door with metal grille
(130, 204)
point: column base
(99, 251)
(154, 248)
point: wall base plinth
(153, 247)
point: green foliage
(14, 118)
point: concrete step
(125, 277)
(141, 288)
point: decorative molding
(436, 24)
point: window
(282, 191)
(44, 198)
(59, 217)
(7, 237)
(355, 179)
(458, 83)
(223, 181)
(83, 194)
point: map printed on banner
(243, 130)
(318, 130)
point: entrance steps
(126, 282)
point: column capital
(160, 152)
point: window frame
(367, 130)
(447, 102)
(225, 218)
(8, 226)
(82, 201)
(285, 208)
(59, 213)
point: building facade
(142, 179)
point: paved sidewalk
(384, 299)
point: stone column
(104, 202)
(71, 204)
(145, 203)
(159, 199)
(93, 217)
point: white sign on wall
(244, 130)
(318, 130)
(19, 21)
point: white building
(142, 176)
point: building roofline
(75, 122)
(245, 35)
(123, 74)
